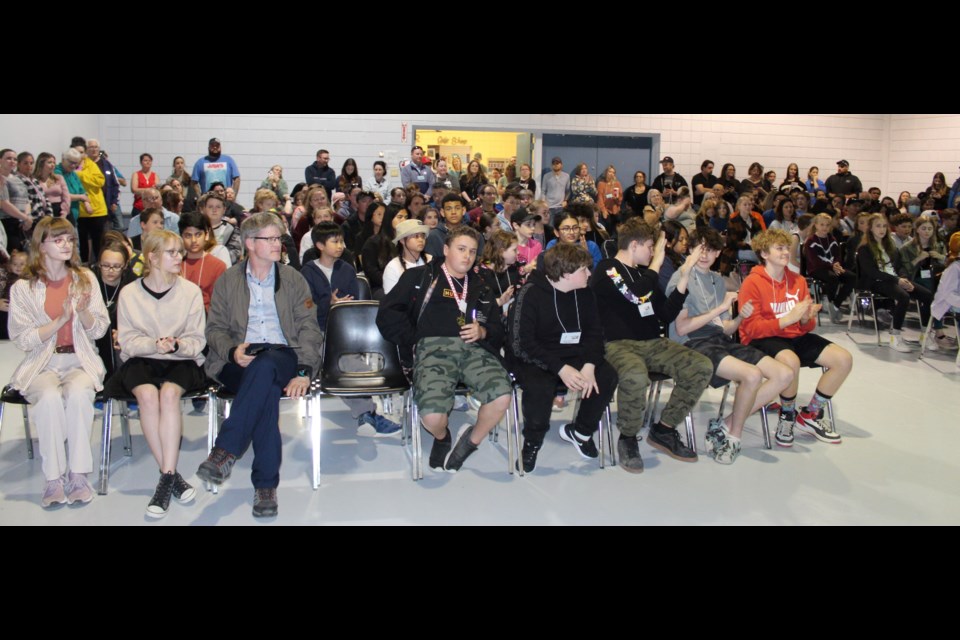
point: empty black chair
(365, 291)
(13, 396)
(352, 329)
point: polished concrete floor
(899, 464)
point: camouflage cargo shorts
(443, 362)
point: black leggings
(902, 299)
(91, 229)
(837, 288)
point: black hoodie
(541, 314)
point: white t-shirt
(393, 271)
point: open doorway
(500, 153)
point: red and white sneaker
(809, 423)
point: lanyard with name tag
(568, 337)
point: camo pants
(634, 360)
(443, 362)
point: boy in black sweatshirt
(556, 335)
(627, 290)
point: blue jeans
(255, 413)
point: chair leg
(926, 335)
(26, 430)
(603, 446)
(125, 429)
(613, 448)
(876, 322)
(723, 401)
(515, 410)
(105, 437)
(656, 401)
(404, 424)
(764, 422)
(833, 422)
(416, 436)
(316, 423)
(508, 418)
(691, 433)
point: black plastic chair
(13, 396)
(352, 329)
(365, 291)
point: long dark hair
(672, 230)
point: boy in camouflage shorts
(451, 317)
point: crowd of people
(479, 280)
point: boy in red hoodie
(780, 326)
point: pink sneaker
(78, 489)
(53, 493)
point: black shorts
(808, 347)
(718, 347)
(186, 374)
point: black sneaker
(182, 490)
(265, 503)
(669, 442)
(440, 451)
(628, 454)
(528, 457)
(784, 435)
(161, 497)
(463, 450)
(583, 444)
(217, 467)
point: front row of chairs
(352, 330)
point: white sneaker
(910, 337)
(836, 316)
(930, 342)
(897, 343)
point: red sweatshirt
(771, 301)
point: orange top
(609, 195)
(57, 293)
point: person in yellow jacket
(93, 220)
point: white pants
(61, 408)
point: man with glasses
(488, 205)
(153, 200)
(415, 173)
(264, 342)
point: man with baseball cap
(555, 188)
(668, 182)
(215, 167)
(843, 183)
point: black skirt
(139, 371)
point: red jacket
(771, 301)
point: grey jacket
(228, 317)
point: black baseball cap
(522, 214)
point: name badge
(926, 273)
(570, 337)
(717, 321)
(421, 178)
(646, 309)
(462, 305)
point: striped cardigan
(27, 315)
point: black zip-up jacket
(870, 272)
(401, 308)
(535, 330)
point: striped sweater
(27, 315)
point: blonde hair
(45, 229)
(823, 216)
(766, 239)
(156, 242)
(261, 196)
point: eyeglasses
(173, 253)
(569, 229)
(62, 241)
(268, 239)
(111, 267)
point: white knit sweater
(27, 315)
(142, 320)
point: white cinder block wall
(894, 152)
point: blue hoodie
(344, 280)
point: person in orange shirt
(781, 324)
(609, 194)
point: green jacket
(228, 317)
